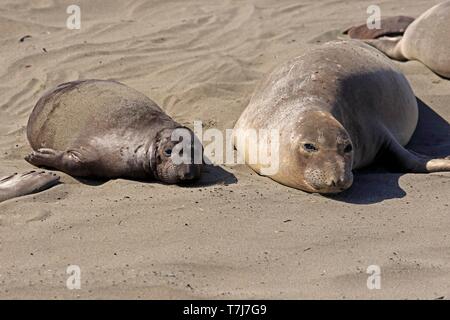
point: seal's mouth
(333, 187)
(188, 176)
(172, 174)
(168, 178)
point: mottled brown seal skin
(104, 129)
(18, 185)
(427, 40)
(338, 107)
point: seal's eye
(309, 147)
(167, 152)
(348, 148)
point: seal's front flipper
(437, 165)
(73, 162)
(410, 161)
(390, 27)
(31, 182)
(390, 47)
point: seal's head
(176, 156)
(317, 155)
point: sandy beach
(234, 234)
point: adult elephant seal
(336, 108)
(104, 129)
(427, 40)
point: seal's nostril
(333, 183)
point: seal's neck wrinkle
(147, 159)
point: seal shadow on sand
(211, 175)
(376, 183)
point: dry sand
(235, 235)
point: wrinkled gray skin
(427, 40)
(104, 129)
(17, 185)
(338, 107)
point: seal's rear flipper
(390, 47)
(30, 182)
(390, 27)
(410, 161)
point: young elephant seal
(18, 185)
(427, 40)
(336, 108)
(104, 129)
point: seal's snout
(339, 184)
(189, 172)
(189, 175)
(328, 181)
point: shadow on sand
(375, 184)
(212, 175)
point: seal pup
(104, 129)
(427, 40)
(18, 185)
(340, 106)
